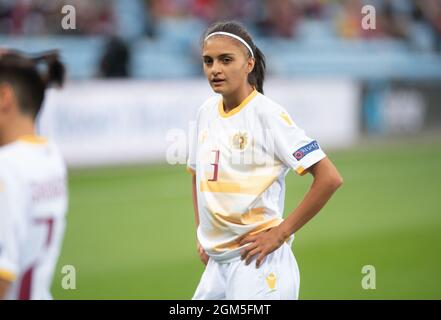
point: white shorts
(276, 279)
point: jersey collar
(33, 139)
(236, 109)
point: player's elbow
(327, 176)
(332, 181)
(335, 181)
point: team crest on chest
(239, 141)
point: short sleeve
(291, 145)
(9, 217)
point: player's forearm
(326, 181)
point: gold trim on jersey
(7, 275)
(231, 245)
(252, 216)
(33, 139)
(286, 118)
(301, 171)
(252, 185)
(236, 109)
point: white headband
(232, 36)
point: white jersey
(33, 204)
(240, 159)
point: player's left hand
(261, 245)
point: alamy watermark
(245, 148)
(69, 280)
(369, 281)
(69, 20)
(369, 20)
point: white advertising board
(134, 121)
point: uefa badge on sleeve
(298, 154)
(303, 151)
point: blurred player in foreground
(243, 147)
(33, 191)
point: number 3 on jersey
(215, 165)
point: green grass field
(131, 234)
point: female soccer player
(243, 147)
(33, 198)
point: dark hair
(27, 80)
(257, 76)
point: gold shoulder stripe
(286, 118)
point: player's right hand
(202, 254)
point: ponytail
(257, 76)
(55, 69)
(29, 82)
